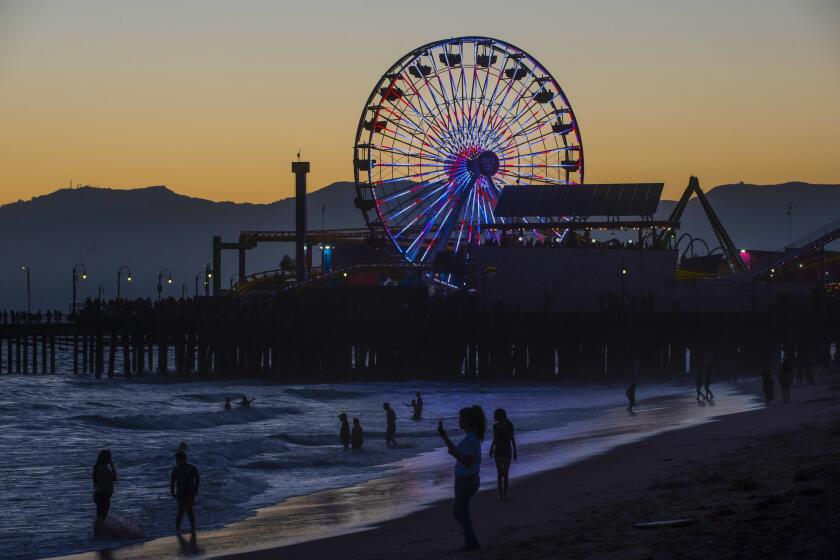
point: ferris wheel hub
(486, 163)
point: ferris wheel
(449, 126)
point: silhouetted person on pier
(767, 386)
(104, 476)
(503, 449)
(228, 405)
(416, 415)
(786, 379)
(390, 425)
(467, 467)
(245, 402)
(183, 485)
(344, 431)
(707, 383)
(698, 384)
(630, 393)
(357, 435)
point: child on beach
(503, 449)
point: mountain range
(153, 228)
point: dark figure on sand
(467, 467)
(786, 379)
(183, 485)
(104, 476)
(698, 384)
(630, 393)
(707, 383)
(357, 435)
(417, 411)
(390, 425)
(503, 449)
(767, 385)
(344, 431)
(228, 406)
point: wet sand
(761, 484)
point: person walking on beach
(467, 467)
(503, 449)
(767, 385)
(104, 476)
(707, 383)
(786, 379)
(390, 425)
(698, 384)
(344, 431)
(630, 393)
(183, 485)
(357, 435)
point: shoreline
(604, 493)
(308, 519)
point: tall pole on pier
(300, 169)
(28, 292)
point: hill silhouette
(152, 228)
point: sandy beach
(758, 484)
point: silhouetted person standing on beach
(503, 449)
(228, 406)
(467, 467)
(357, 435)
(390, 425)
(767, 385)
(104, 476)
(707, 383)
(630, 393)
(344, 432)
(785, 379)
(183, 485)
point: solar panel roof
(623, 199)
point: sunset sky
(213, 99)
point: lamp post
(622, 274)
(100, 292)
(119, 278)
(160, 280)
(196, 284)
(27, 270)
(76, 281)
(208, 274)
(183, 290)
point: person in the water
(357, 435)
(183, 484)
(245, 402)
(630, 393)
(104, 476)
(390, 425)
(344, 432)
(415, 408)
(228, 405)
(419, 400)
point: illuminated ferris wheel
(449, 126)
